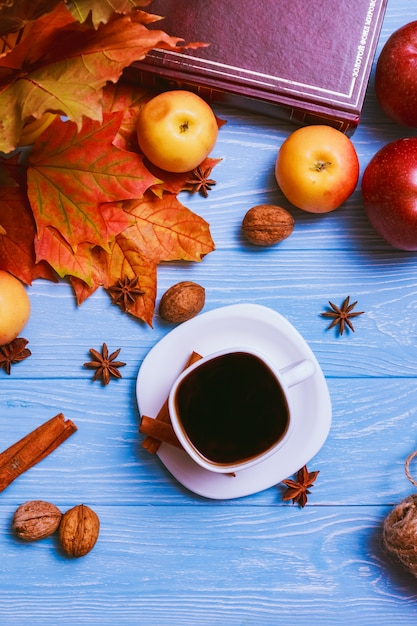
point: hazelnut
(181, 302)
(79, 530)
(267, 224)
(35, 520)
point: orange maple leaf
(163, 230)
(127, 260)
(87, 206)
(71, 179)
(61, 65)
(61, 256)
(99, 275)
(129, 99)
(72, 174)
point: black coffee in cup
(232, 408)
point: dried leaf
(16, 15)
(52, 247)
(102, 10)
(127, 260)
(129, 99)
(61, 65)
(99, 275)
(122, 261)
(17, 253)
(72, 174)
(165, 230)
(96, 213)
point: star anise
(13, 352)
(105, 364)
(298, 490)
(125, 291)
(341, 315)
(200, 181)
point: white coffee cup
(233, 409)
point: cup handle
(297, 372)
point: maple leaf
(102, 10)
(124, 260)
(99, 275)
(72, 174)
(129, 99)
(165, 230)
(68, 262)
(11, 173)
(85, 205)
(127, 260)
(17, 253)
(125, 96)
(53, 247)
(16, 15)
(71, 178)
(61, 65)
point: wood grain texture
(166, 557)
(177, 565)
(362, 461)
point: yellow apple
(14, 307)
(176, 130)
(317, 168)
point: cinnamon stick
(156, 435)
(159, 430)
(34, 447)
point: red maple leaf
(79, 206)
(72, 175)
(61, 65)
(17, 252)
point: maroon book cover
(305, 60)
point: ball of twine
(400, 527)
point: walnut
(79, 530)
(267, 224)
(35, 520)
(181, 302)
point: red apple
(396, 76)
(389, 191)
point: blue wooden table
(165, 556)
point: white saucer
(246, 325)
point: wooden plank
(297, 285)
(361, 462)
(166, 557)
(170, 565)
